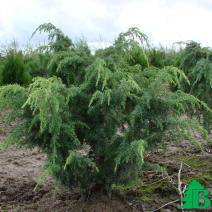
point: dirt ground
(20, 169)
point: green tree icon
(194, 192)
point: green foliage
(14, 69)
(62, 58)
(133, 45)
(57, 40)
(128, 52)
(137, 55)
(133, 37)
(70, 65)
(157, 57)
(1, 68)
(97, 115)
(36, 64)
(196, 62)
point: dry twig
(169, 203)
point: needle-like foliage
(14, 69)
(57, 40)
(96, 118)
(196, 62)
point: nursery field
(124, 128)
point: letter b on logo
(200, 195)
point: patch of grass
(131, 186)
(195, 162)
(202, 169)
(148, 192)
(161, 187)
(147, 198)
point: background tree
(14, 69)
(196, 62)
(37, 63)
